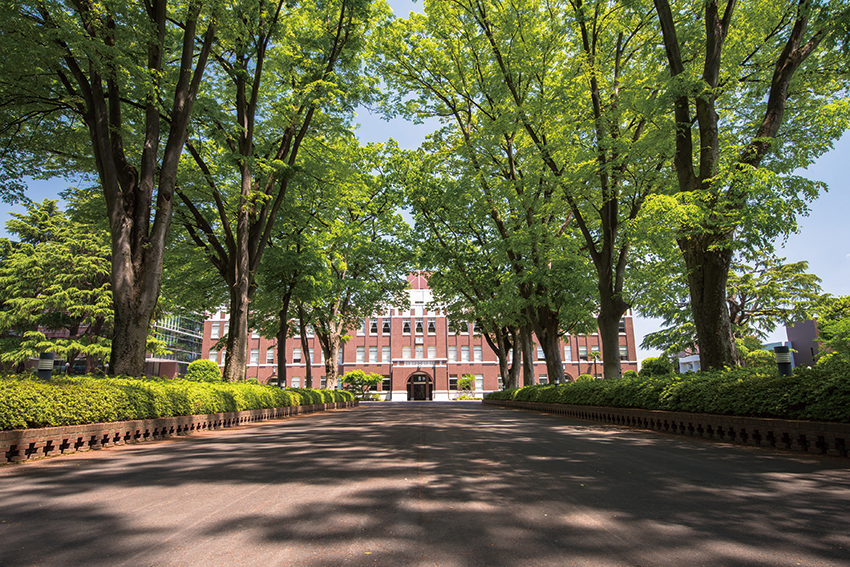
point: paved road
(446, 484)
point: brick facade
(415, 351)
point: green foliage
(834, 325)
(29, 403)
(656, 366)
(630, 374)
(822, 393)
(466, 383)
(203, 370)
(761, 359)
(584, 378)
(360, 380)
(55, 281)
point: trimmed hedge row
(819, 394)
(26, 402)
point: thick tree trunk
(236, 359)
(130, 334)
(545, 324)
(611, 311)
(332, 361)
(708, 272)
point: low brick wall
(19, 445)
(818, 437)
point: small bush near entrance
(821, 393)
(203, 370)
(26, 402)
(466, 383)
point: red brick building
(415, 351)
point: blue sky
(823, 239)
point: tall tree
(756, 92)
(103, 72)
(284, 71)
(55, 294)
(551, 100)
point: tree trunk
(130, 334)
(236, 359)
(527, 360)
(282, 332)
(305, 346)
(611, 311)
(708, 272)
(332, 361)
(545, 324)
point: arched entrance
(420, 387)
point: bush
(203, 371)
(584, 378)
(659, 366)
(466, 383)
(821, 394)
(26, 402)
(761, 359)
(630, 374)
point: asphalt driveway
(449, 484)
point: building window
(464, 354)
(452, 353)
(476, 328)
(373, 327)
(310, 354)
(296, 355)
(270, 356)
(386, 385)
(386, 326)
(324, 382)
(420, 352)
(452, 328)
(624, 352)
(405, 352)
(432, 352)
(453, 382)
(623, 326)
(405, 326)
(464, 328)
(214, 355)
(595, 350)
(340, 359)
(540, 354)
(543, 379)
(361, 353)
(361, 330)
(582, 352)
(296, 382)
(568, 353)
(386, 354)
(373, 354)
(477, 353)
(255, 334)
(419, 326)
(479, 382)
(255, 356)
(215, 330)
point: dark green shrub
(630, 374)
(203, 370)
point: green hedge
(30, 403)
(819, 394)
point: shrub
(466, 382)
(584, 378)
(630, 374)
(203, 370)
(761, 359)
(658, 366)
(27, 403)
